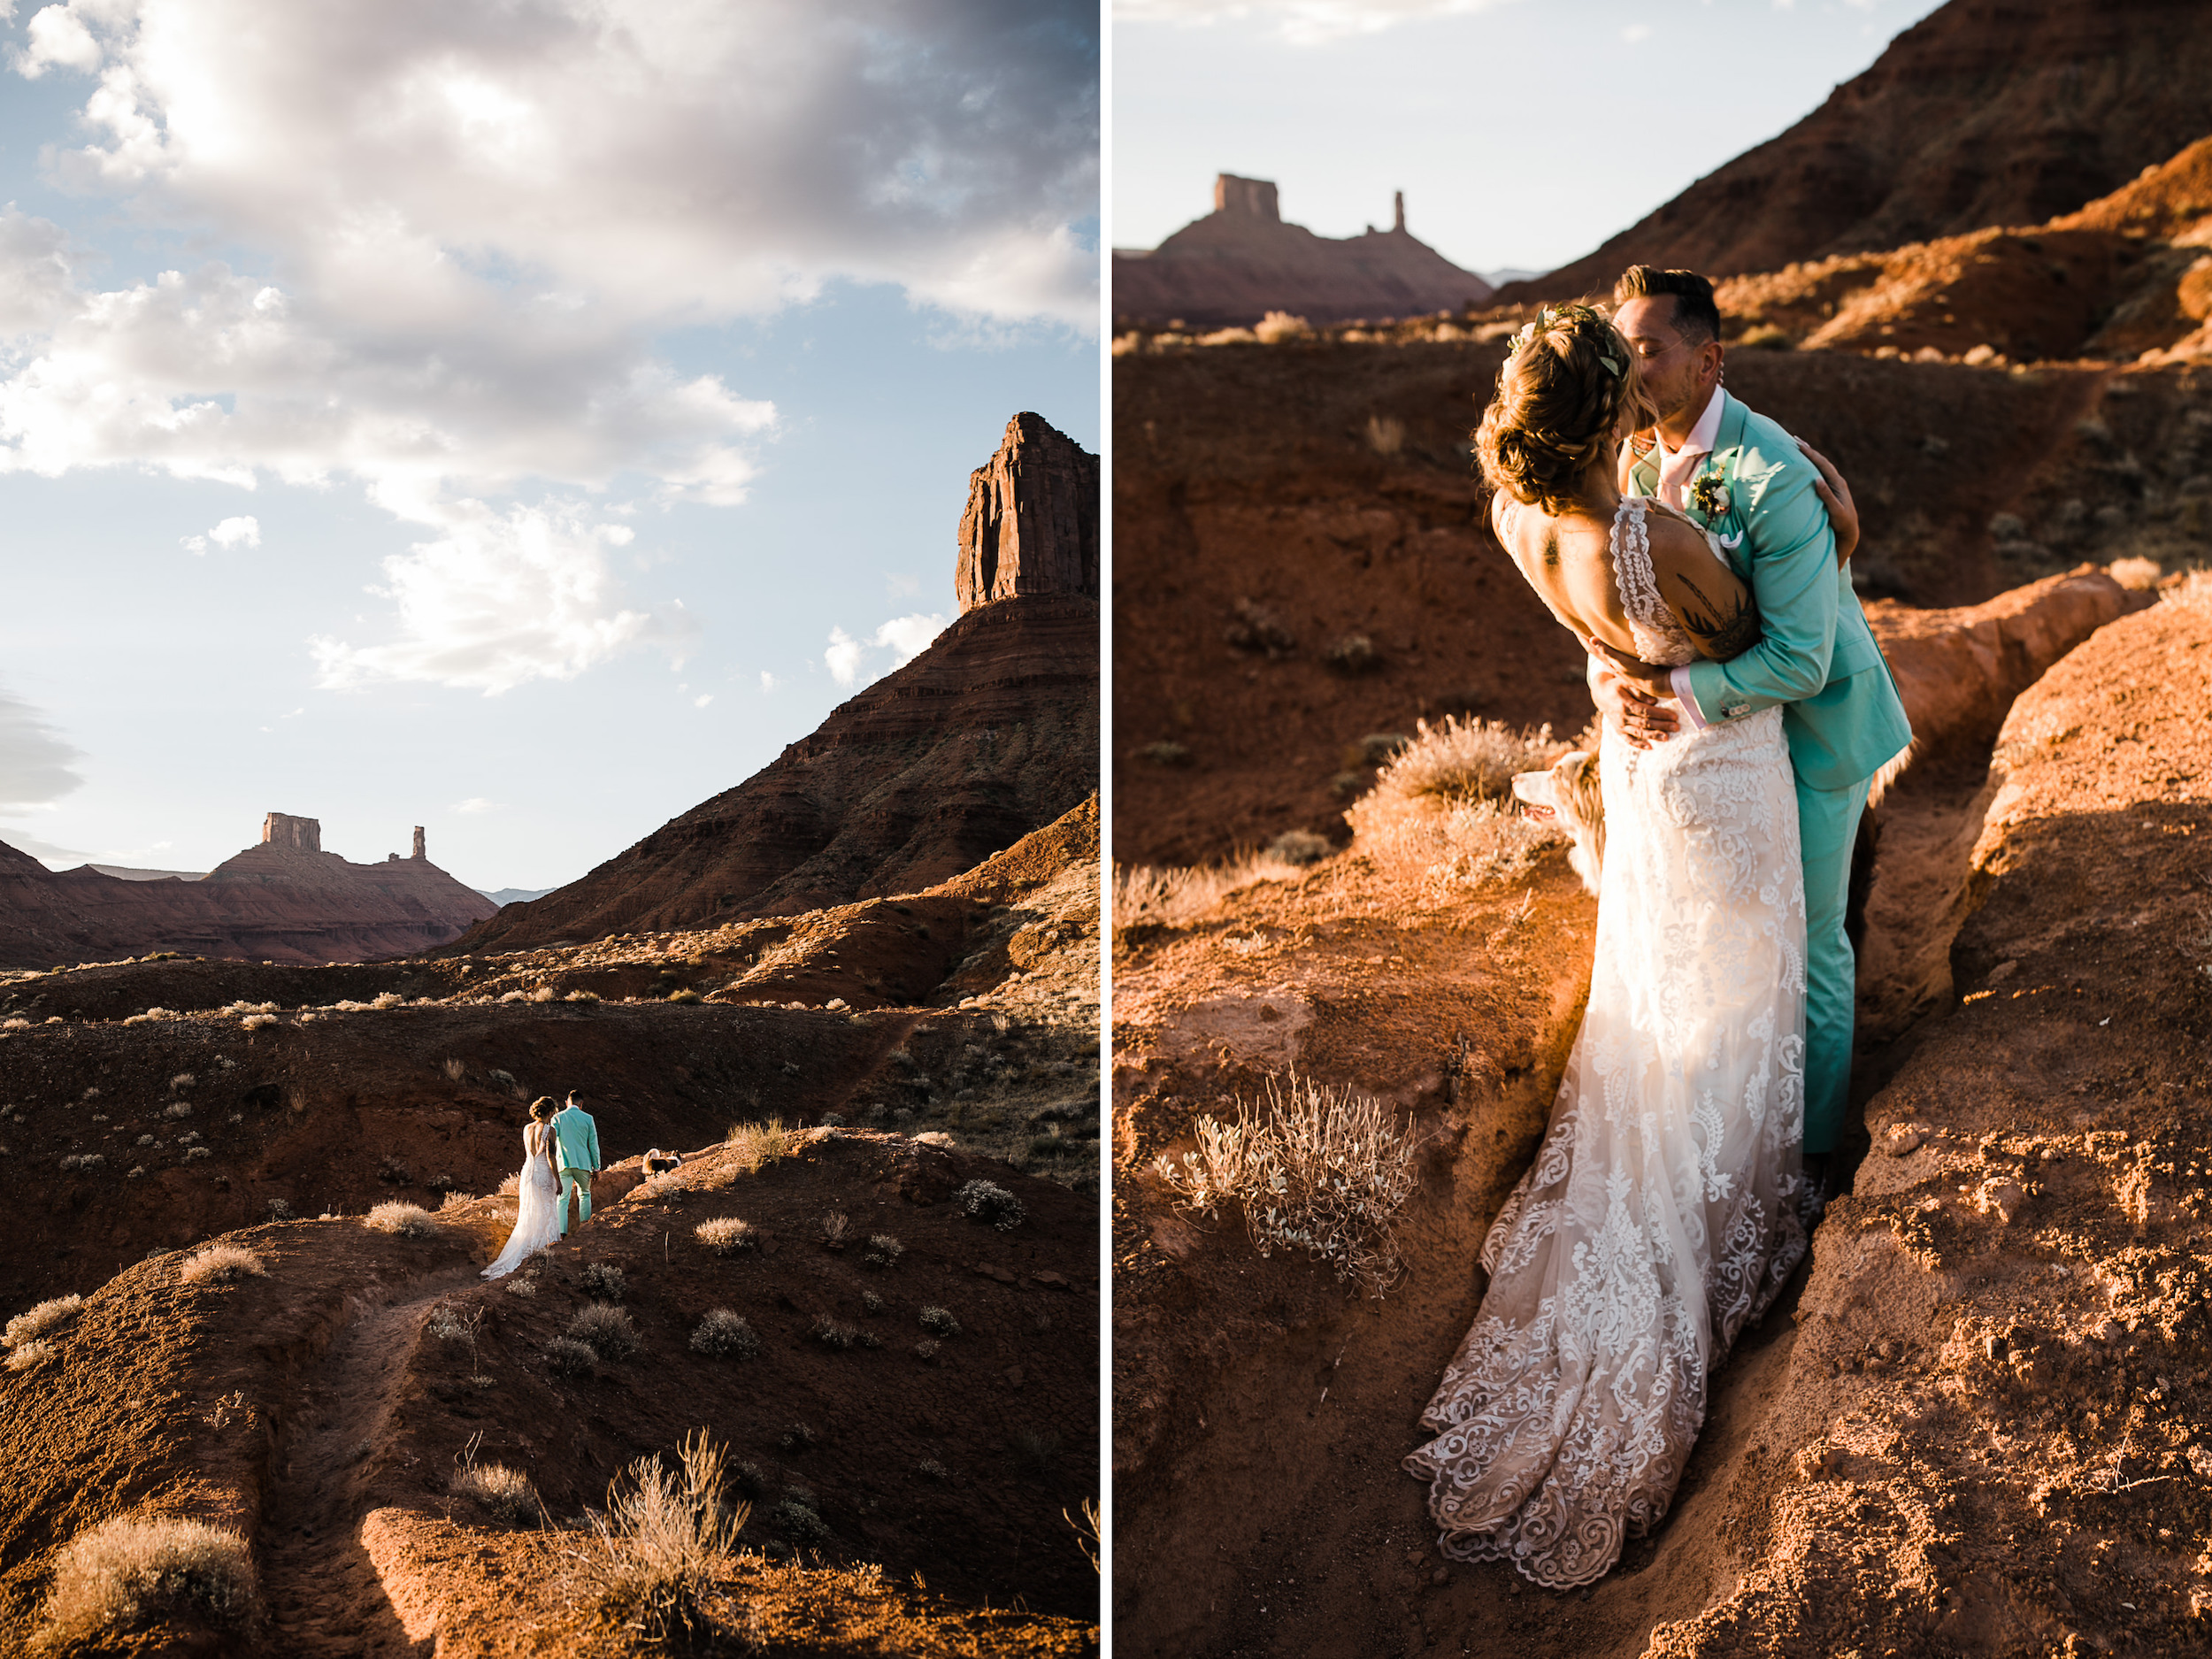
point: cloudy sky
(1523, 132)
(520, 417)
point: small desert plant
(930, 1469)
(223, 1264)
(409, 1221)
(1767, 337)
(870, 1303)
(830, 1334)
(1314, 1168)
(50, 1315)
(386, 999)
(2193, 589)
(1442, 806)
(686, 994)
(279, 1209)
(182, 1109)
(1088, 1539)
(726, 1235)
(570, 1357)
(607, 1331)
(126, 1572)
(603, 1282)
(394, 1173)
(449, 1322)
(255, 1022)
(883, 1250)
(453, 1200)
(1277, 326)
(1170, 896)
(661, 1539)
(511, 1187)
(939, 1321)
(1458, 760)
(833, 1230)
(757, 1143)
(455, 1070)
(506, 1493)
(23, 1355)
(801, 1525)
(725, 1335)
(84, 1161)
(1355, 653)
(189, 1153)
(986, 1200)
(1300, 846)
(750, 1481)
(796, 1437)
(1165, 753)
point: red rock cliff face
(281, 901)
(990, 733)
(1986, 113)
(1031, 525)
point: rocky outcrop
(1030, 524)
(282, 900)
(1986, 113)
(990, 733)
(1241, 261)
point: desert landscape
(1978, 1422)
(830, 1384)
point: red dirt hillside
(1984, 112)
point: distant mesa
(989, 735)
(1977, 116)
(1241, 262)
(1031, 525)
(282, 900)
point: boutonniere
(1708, 493)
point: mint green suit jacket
(1815, 655)
(576, 1138)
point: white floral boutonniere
(1708, 493)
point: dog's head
(1569, 794)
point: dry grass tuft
(408, 1221)
(663, 1538)
(2194, 590)
(570, 1357)
(1146, 895)
(725, 1335)
(1443, 806)
(23, 1355)
(757, 1144)
(223, 1264)
(603, 1282)
(506, 1493)
(1277, 326)
(125, 1573)
(1314, 1168)
(2136, 574)
(50, 1315)
(605, 1330)
(726, 1235)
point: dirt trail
(323, 1593)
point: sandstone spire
(418, 852)
(281, 829)
(1031, 525)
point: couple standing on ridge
(560, 1156)
(1700, 555)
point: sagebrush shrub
(603, 1282)
(726, 1235)
(725, 1335)
(833, 1230)
(759, 1143)
(408, 1221)
(1314, 1168)
(570, 1357)
(605, 1329)
(50, 1315)
(883, 1250)
(801, 1525)
(506, 1493)
(986, 1200)
(661, 1539)
(223, 1264)
(939, 1321)
(830, 1334)
(127, 1571)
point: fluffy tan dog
(1569, 793)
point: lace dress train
(537, 1213)
(1662, 1213)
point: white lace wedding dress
(537, 1211)
(1663, 1210)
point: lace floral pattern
(1661, 1212)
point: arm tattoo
(1722, 630)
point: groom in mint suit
(1742, 477)
(576, 1139)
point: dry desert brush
(605, 1330)
(49, 1316)
(506, 1493)
(1147, 895)
(756, 1143)
(1314, 1168)
(127, 1573)
(408, 1221)
(661, 1538)
(725, 1335)
(726, 1235)
(1443, 804)
(223, 1264)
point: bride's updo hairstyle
(1558, 397)
(542, 1109)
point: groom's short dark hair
(1696, 314)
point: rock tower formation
(1031, 525)
(989, 735)
(301, 834)
(1241, 261)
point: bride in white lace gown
(537, 1210)
(1662, 1213)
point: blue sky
(1523, 132)
(493, 417)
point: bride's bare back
(1568, 560)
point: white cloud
(37, 765)
(695, 160)
(474, 804)
(768, 681)
(502, 598)
(1302, 22)
(231, 533)
(1636, 33)
(901, 585)
(908, 637)
(843, 656)
(702, 702)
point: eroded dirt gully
(1259, 1413)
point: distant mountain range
(515, 895)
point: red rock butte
(282, 900)
(1241, 262)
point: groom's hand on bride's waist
(1633, 710)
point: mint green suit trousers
(1827, 828)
